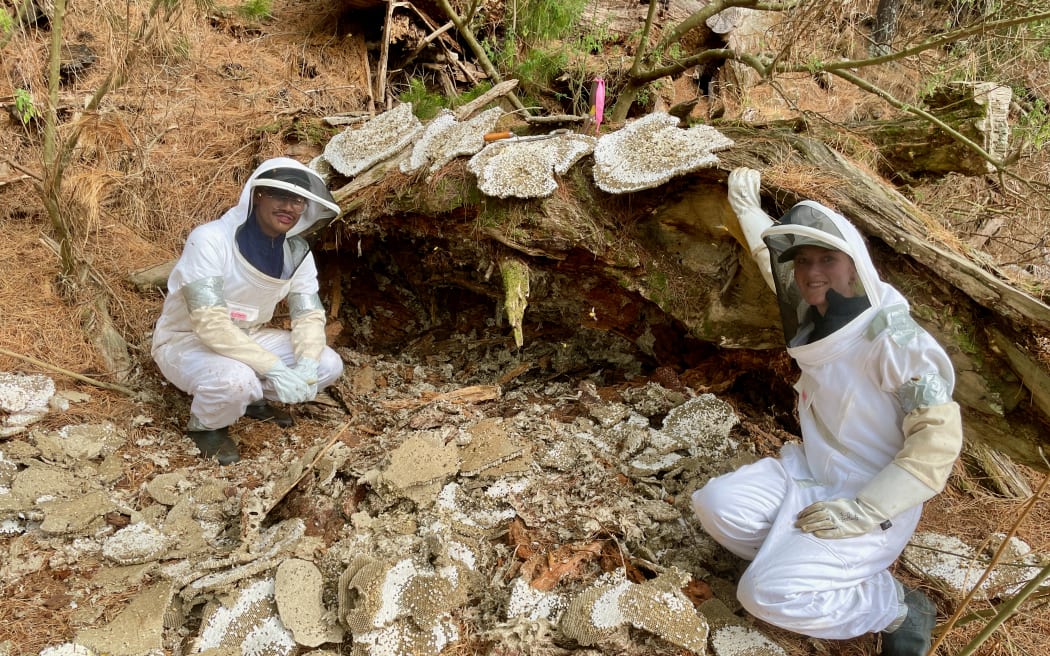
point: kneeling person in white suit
(823, 522)
(211, 340)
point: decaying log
(914, 147)
(660, 266)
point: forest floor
(456, 451)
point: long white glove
(308, 320)
(307, 369)
(743, 187)
(892, 491)
(838, 518)
(289, 385)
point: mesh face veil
(811, 224)
(290, 176)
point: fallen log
(661, 268)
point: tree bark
(885, 27)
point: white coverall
(217, 349)
(874, 404)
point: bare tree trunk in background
(885, 27)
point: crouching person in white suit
(823, 522)
(211, 341)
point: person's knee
(765, 602)
(330, 367)
(233, 381)
(709, 504)
(782, 602)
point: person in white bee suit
(823, 522)
(211, 340)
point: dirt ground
(388, 468)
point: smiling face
(277, 210)
(819, 269)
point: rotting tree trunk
(660, 267)
(914, 147)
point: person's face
(277, 210)
(819, 269)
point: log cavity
(442, 303)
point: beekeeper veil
(811, 224)
(289, 175)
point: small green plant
(593, 42)
(425, 105)
(1037, 123)
(256, 9)
(7, 22)
(539, 67)
(24, 107)
(544, 20)
(467, 96)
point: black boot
(266, 412)
(914, 636)
(216, 443)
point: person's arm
(932, 441)
(211, 322)
(743, 188)
(308, 337)
(308, 321)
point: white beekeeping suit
(823, 522)
(211, 339)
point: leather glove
(743, 188)
(838, 518)
(307, 369)
(289, 385)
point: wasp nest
(134, 544)
(603, 611)
(298, 590)
(354, 150)
(23, 400)
(948, 561)
(651, 151)
(700, 426)
(250, 625)
(399, 608)
(526, 168)
(735, 640)
(445, 139)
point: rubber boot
(213, 442)
(266, 412)
(914, 636)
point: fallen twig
(1010, 606)
(291, 486)
(65, 372)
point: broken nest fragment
(354, 150)
(652, 150)
(249, 625)
(24, 399)
(955, 567)
(445, 139)
(526, 169)
(657, 606)
(298, 591)
(399, 608)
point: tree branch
(66, 372)
(479, 52)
